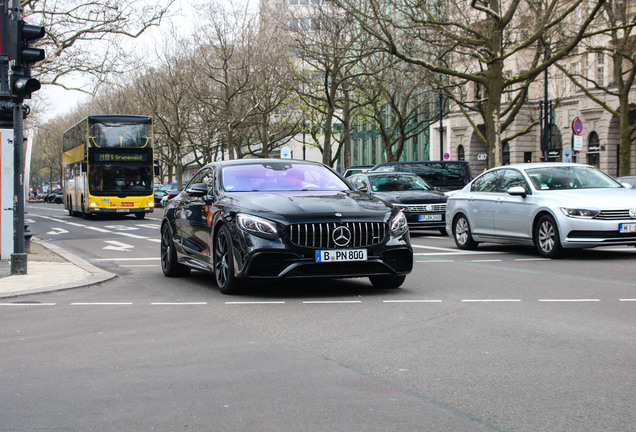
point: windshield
(120, 135)
(442, 175)
(391, 183)
(570, 177)
(287, 176)
(118, 179)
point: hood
(614, 198)
(305, 206)
(412, 197)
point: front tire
(546, 238)
(227, 282)
(462, 234)
(387, 282)
(169, 264)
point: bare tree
(616, 24)
(85, 41)
(223, 63)
(497, 46)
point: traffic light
(22, 56)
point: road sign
(446, 156)
(577, 126)
(285, 153)
(577, 142)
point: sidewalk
(49, 268)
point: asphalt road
(495, 340)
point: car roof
(262, 161)
(524, 166)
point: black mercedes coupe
(280, 218)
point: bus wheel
(69, 205)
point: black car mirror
(197, 190)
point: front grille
(613, 215)
(320, 235)
(423, 208)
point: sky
(57, 101)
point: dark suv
(443, 175)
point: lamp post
(441, 126)
(304, 131)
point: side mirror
(197, 190)
(518, 191)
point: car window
(571, 177)
(512, 178)
(287, 176)
(487, 182)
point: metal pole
(304, 131)
(19, 257)
(441, 126)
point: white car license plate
(341, 255)
(627, 227)
(433, 217)
(122, 211)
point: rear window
(442, 175)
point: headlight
(257, 226)
(398, 224)
(150, 204)
(580, 213)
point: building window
(460, 153)
(593, 149)
(505, 153)
(600, 69)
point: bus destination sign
(119, 157)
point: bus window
(117, 135)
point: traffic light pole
(19, 256)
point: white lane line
(101, 304)
(140, 265)
(411, 301)
(486, 260)
(569, 300)
(436, 261)
(126, 259)
(179, 304)
(154, 240)
(627, 300)
(490, 300)
(98, 229)
(332, 301)
(253, 302)
(130, 235)
(27, 304)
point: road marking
(57, 231)
(125, 259)
(569, 300)
(486, 260)
(627, 300)
(98, 229)
(532, 259)
(332, 301)
(102, 304)
(253, 302)
(140, 265)
(411, 301)
(489, 300)
(27, 304)
(179, 303)
(436, 261)
(117, 246)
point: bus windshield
(105, 134)
(118, 179)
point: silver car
(551, 206)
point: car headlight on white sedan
(580, 213)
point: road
(493, 340)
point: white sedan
(551, 206)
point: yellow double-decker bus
(108, 166)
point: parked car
(443, 175)
(162, 190)
(355, 169)
(552, 206)
(423, 206)
(271, 219)
(630, 180)
(168, 196)
(55, 196)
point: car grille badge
(632, 213)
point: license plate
(627, 227)
(341, 255)
(122, 211)
(433, 217)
